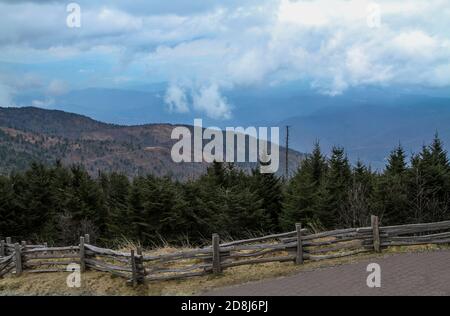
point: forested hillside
(36, 135)
(58, 203)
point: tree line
(57, 204)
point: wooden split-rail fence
(297, 246)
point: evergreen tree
(303, 191)
(396, 162)
(244, 211)
(136, 210)
(57, 204)
(392, 204)
(268, 188)
(439, 154)
(429, 183)
(334, 198)
(38, 198)
(86, 201)
(116, 192)
(10, 215)
(216, 174)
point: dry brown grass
(97, 283)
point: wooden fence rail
(6, 265)
(297, 246)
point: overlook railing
(297, 246)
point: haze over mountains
(369, 132)
(368, 122)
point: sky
(203, 49)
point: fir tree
(302, 195)
(269, 189)
(334, 198)
(392, 203)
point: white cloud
(415, 43)
(13, 83)
(211, 47)
(363, 70)
(301, 12)
(321, 13)
(326, 42)
(176, 99)
(209, 100)
(250, 67)
(205, 99)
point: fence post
(140, 269)
(299, 257)
(216, 253)
(18, 260)
(7, 249)
(82, 255)
(87, 239)
(376, 233)
(133, 269)
(2, 248)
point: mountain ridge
(370, 132)
(30, 134)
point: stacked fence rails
(8, 248)
(177, 265)
(415, 234)
(272, 248)
(218, 257)
(107, 260)
(45, 259)
(7, 265)
(297, 246)
(337, 243)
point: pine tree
(302, 195)
(397, 162)
(10, 216)
(429, 184)
(392, 203)
(268, 188)
(245, 211)
(439, 154)
(136, 210)
(38, 198)
(116, 192)
(58, 204)
(86, 202)
(61, 179)
(216, 174)
(335, 199)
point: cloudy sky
(205, 48)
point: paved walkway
(401, 274)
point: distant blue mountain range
(368, 122)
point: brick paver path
(425, 273)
